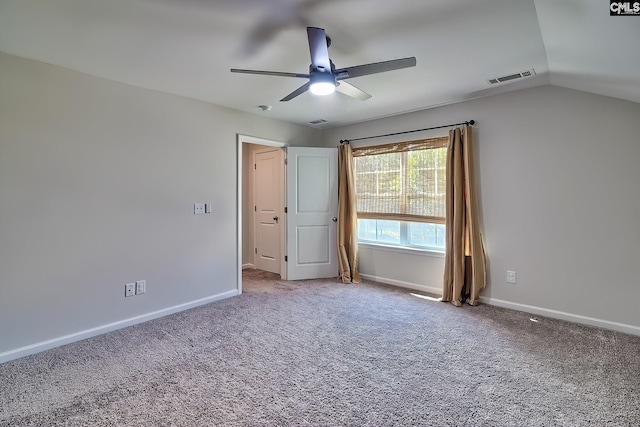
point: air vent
(516, 76)
(318, 122)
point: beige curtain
(465, 267)
(347, 217)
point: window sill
(402, 249)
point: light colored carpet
(323, 353)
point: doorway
(261, 238)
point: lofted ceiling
(186, 47)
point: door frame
(246, 139)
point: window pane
(440, 236)
(428, 235)
(379, 231)
(388, 231)
(366, 229)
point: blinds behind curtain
(403, 181)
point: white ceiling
(186, 47)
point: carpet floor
(322, 353)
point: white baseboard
(554, 314)
(247, 266)
(400, 283)
(67, 339)
(88, 333)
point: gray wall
(97, 185)
(557, 176)
(98, 181)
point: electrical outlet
(511, 276)
(198, 208)
(129, 289)
(141, 287)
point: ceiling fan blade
(319, 49)
(375, 68)
(302, 89)
(352, 91)
(270, 73)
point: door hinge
(256, 250)
(255, 209)
(286, 258)
(254, 166)
(285, 209)
(285, 161)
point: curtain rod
(346, 141)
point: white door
(312, 202)
(268, 211)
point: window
(401, 191)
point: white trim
(555, 314)
(401, 284)
(261, 141)
(99, 330)
(248, 265)
(401, 249)
(239, 192)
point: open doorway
(261, 219)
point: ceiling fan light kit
(322, 83)
(324, 78)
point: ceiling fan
(324, 78)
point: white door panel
(312, 200)
(267, 186)
(319, 252)
(269, 241)
(314, 184)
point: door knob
(275, 218)
(334, 219)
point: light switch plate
(129, 289)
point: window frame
(403, 219)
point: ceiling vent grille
(318, 122)
(510, 77)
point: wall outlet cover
(141, 287)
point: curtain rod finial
(472, 122)
(344, 141)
